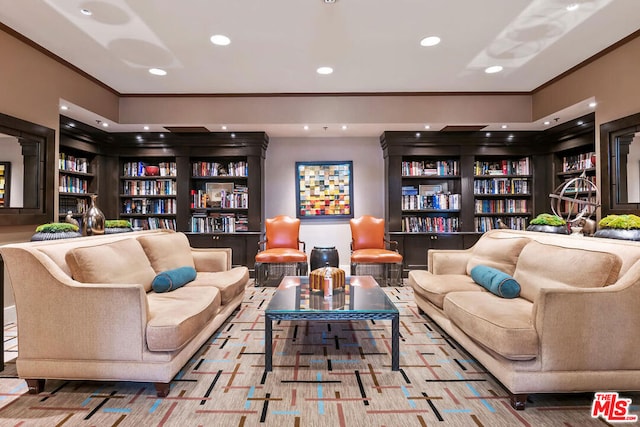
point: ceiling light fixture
(324, 70)
(503, 126)
(572, 7)
(306, 127)
(344, 127)
(580, 123)
(427, 127)
(220, 40)
(493, 69)
(417, 134)
(430, 41)
(86, 12)
(593, 104)
(146, 128)
(64, 107)
(224, 127)
(157, 72)
(488, 134)
(546, 122)
(105, 124)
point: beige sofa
(575, 326)
(86, 309)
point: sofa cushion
(495, 281)
(123, 261)
(542, 265)
(171, 280)
(497, 252)
(167, 251)
(176, 317)
(230, 283)
(434, 287)
(502, 325)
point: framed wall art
(324, 190)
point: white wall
(368, 185)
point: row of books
(435, 201)
(153, 223)
(67, 162)
(74, 204)
(72, 184)
(430, 167)
(502, 206)
(158, 187)
(570, 207)
(484, 223)
(579, 162)
(503, 167)
(434, 224)
(219, 223)
(581, 185)
(236, 197)
(149, 206)
(137, 168)
(501, 186)
(240, 168)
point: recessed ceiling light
(344, 127)
(503, 126)
(572, 7)
(220, 40)
(86, 12)
(139, 137)
(427, 127)
(547, 123)
(487, 134)
(493, 69)
(580, 123)
(306, 127)
(430, 41)
(105, 124)
(64, 107)
(162, 135)
(417, 134)
(224, 127)
(146, 128)
(233, 135)
(593, 104)
(510, 136)
(157, 72)
(324, 70)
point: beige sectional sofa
(575, 327)
(86, 309)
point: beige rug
(325, 374)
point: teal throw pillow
(495, 281)
(173, 279)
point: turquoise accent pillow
(173, 279)
(495, 281)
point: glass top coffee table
(361, 299)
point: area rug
(325, 374)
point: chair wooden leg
(162, 389)
(35, 385)
(518, 401)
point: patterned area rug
(325, 374)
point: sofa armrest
(212, 259)
(591, 329)
(448, 261)
(61, 318)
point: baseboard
(10, 314)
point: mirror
(26, 172)
(620, 170)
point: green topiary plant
(548, 219)
(620, 222)
(117, 223)
(57, 227)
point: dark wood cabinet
(244, 245)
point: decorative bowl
(151, 170)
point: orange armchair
(279, 253)
(369, 253)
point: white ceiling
(276, 46)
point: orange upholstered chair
(279, 253)
(370, 255)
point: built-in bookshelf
(76, 182)
(5, 183)
(219, 195)
(431, 199)
(502, 190)
(148, 190)
(577, 168)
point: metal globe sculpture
(575, 199)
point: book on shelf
(579, 162)
(210, 169)
(434, 201)
(157, 187)
(502, 167)
(430, 168)
(214, 196)
(217, 222)
(504, 186)
(153, 223)
(136, 169)
(145, 206)
(431, 224)
(70, 163)
(502, 206)
(483, 223)
(72, 184)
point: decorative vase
(323, 256)
(618, 233)
(558, 229)
(93, 219)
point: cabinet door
(243, 246)
(416, 247)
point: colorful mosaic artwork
(324, 189)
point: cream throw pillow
(167, 251)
